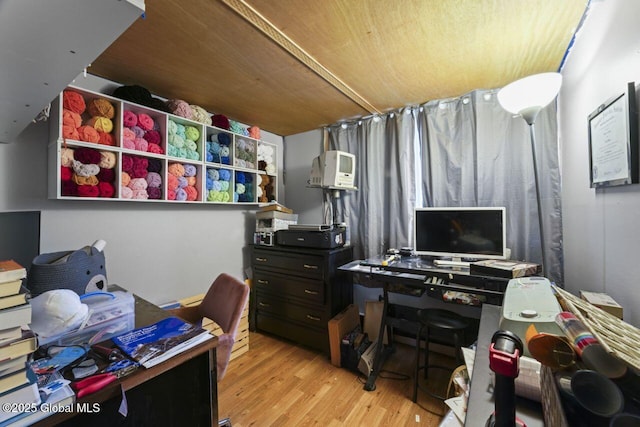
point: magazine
(155, 343)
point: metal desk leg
(381, 352)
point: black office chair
(446, 322)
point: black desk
(181, 391)
(481, 403)
(409, 276)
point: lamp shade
(529, 95)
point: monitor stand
(453, 262)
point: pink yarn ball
(138, 184)
(126, 193)
(172, 182)
(129, 144)
(192, 193)
(139, 173)
(154, 179)
(171, 194)
(141, 144)
(127, 163)
(145, 121)
(180, 108)
(140, 163)
(155, 149)
(129, 118)
(140, 194)
(128, 134)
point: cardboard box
(343, 323)
(603, 301)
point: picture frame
(613, 141)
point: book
(155, 343)
(14, 379)
(11, 287)
(11, 270)
(504, 268)
(26, 344)
(10, 334)
(61, 400)
(21, 396)
(13, 365)
(276, 207)
(13, 300)
(15, 316)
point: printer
(321, 236)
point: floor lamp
(527, 97)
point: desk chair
(223, 303)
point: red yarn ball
(140, 163)
(106, 175)
(155, 148)
(87, 155)
(153, 137)
(88, 191)
(105, 189)
(69, 118)
(65, 173)
(69, 132)
(192, 193)
(88, 134)
(73, 101)
(139, 172)
(106, 139)
(171, 195)
(69, 188)
(127, 163)
(145, 121)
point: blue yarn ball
(189, 170)
(224, 138)
(225, 174)
(240, 177)
(225, 160)
(210, 183)
(181, 195)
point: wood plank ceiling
(290, 66)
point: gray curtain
(464, 151)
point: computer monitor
(461, 233)
(20, 236)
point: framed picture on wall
(613, 141)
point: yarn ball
(213, 174)
(181, 152)
(88, 190)
(224, 185)
(225, 151)
(137, 184)
(236, 127)
(216, 186)
(224, 138)
(126, 193)
(180, 130)
(101, 124)
(176, 140)
(176, 169)
(84, 180)
(107, 160)
(129, 144)
(220, 121)
(158, 104)
(200, 115)
(271, 169)
(171, 194)
(192, 193)
(73, 101)
(180, 108)
(240, 188)
(240, 178)
(138, 131)
(106, 175)
(254, 132)
(181, 194)
(70, 132)
(133, 93)
(139, 173)
(225, 174)
(189, 170)
(145, 121)
(155, 149)
(128, 134)
(69, 118)
(182, 182)
(88, 134)
(140, 162)
(193, 155)
(106, 139)
(69, 188)
(191, 180)
(65, 173)
(125, 179)
(190, 145)
(153, 137)
(105, 189)
(85, 170)
(87, 155)
(154, 180)
(192, 133)
(140, 144)
(172, 182)
(172, 127)
(154, 165)
(155, 193)
(127, 163)
(140, 194)
(101, 107)
(129, 118)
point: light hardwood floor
(277, 383)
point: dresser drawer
(311, 316)
(302, 265)
(308, 290)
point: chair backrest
(224, 302)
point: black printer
(321, 236)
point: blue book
(155, 343)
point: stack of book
(18, 383)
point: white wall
(601, 227)
(161, 251)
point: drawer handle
(310, 292)
(310, 266)
(263, 282)
(261, 259)
(264, 305)
(310, 317)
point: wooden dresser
(296, 291)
